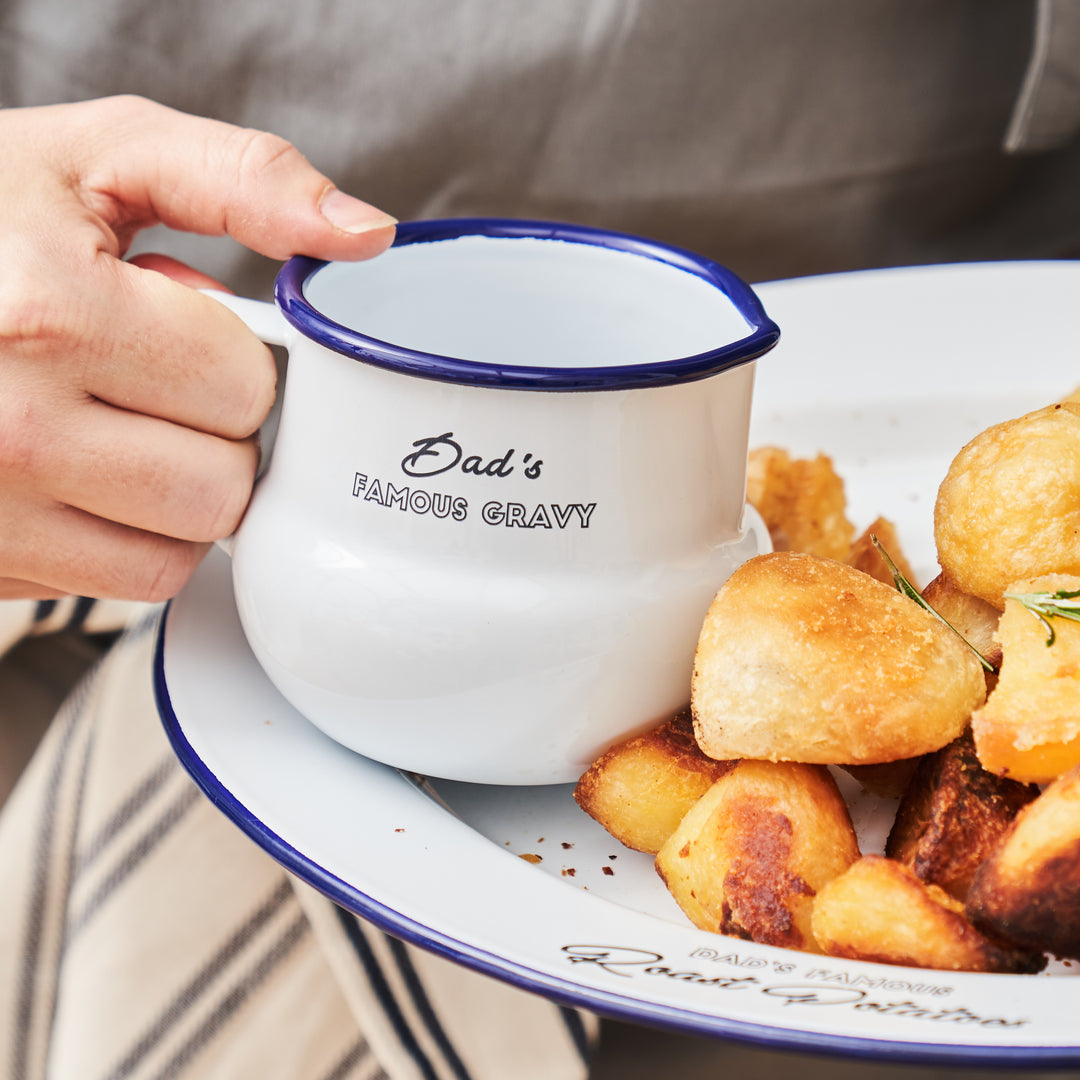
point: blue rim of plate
(563, 991)
(763, 335)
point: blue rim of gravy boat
(762, 336)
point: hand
(129, 402)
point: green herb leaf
(1063, 604)
(904, 586)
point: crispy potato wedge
(953, 815)
(1029, 728)
(880, 911)
(1009, 506)
(752, 853)
(1028, 890)
(801, 500)
(643, 787)
(865, 556)
(805, 659)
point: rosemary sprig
(1063, 604)
(904, 586)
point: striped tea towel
(143, 936)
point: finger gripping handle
(266, 322)
(261, 318)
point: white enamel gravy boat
(508, 477)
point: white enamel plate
(890, 373)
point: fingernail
(351, 215)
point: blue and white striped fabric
(143, 936)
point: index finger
(148, 163)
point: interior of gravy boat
(529, 302)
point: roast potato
(1028, 890)
(805, 659)
(801, 500)
(752, 853)
(1009, 506)
(970, 616)
(879, 911)
(865, 556)
(642, 787)
(888, 780)
(1029, 728)
(953, 815)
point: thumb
(148, 163)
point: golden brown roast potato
(881, 912)
(953, 815)
(1029, 728)
(801, 500)
(805, 659)
(1009, 506)
(752, 853)
(642, 787)
(974, 618)
(865, 556)
(1028, 890)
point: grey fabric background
(783, 137)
